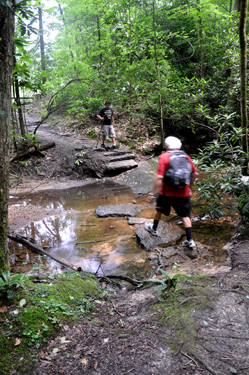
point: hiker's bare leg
(113, 140)
(186, 222)
(103, 140)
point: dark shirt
(107, 114)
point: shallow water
(110, 245)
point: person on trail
(171, 195)
(105, 115)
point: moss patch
(48, 306)
(176, 313)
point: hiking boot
(102, 145)
(114, 147)
(189, 243)
(149, 228)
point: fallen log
(32, 151)
(38, 250)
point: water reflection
(109, 244)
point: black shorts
(181, 205)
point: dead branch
(38, 250)
(51, 101)
(127, 278)
(114, 308)
(185, 355)
(179, 349)
(203, 363)
(48, 114)
(188, 299)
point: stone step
(116, 152)
(120, 165)
(121, 157)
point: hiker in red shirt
(171, 194)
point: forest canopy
(172, 64)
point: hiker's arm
(194, 176)
(113, 120)
(158, 180)
(100, 118)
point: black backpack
(179, 172)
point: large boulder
(117, 210)
(167, 233)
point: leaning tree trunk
(19, 105)
(6, 72)
(243, 80)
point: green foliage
(8, 282)
(92, 134)
(221, 161)
(166, 284)
(26, 141)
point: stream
(107, 245)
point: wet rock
(140, 179)
(117, 210)
(136, 220)
(120, 166)
(167, 233)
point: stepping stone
(117, 210)
(121, 157)
(167, 233)
(120, 165)
(115, 153)
(136, 220)
(101, 149)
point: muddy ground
(200, 326)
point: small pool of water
(106, 245)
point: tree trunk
(6, 63)
(158, 77)
(203, 65)
(42, 48)
(243, 79)
(19, 105)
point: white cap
(173, 143)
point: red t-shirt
(165, 189)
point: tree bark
(19, 105)
(42, 45)
(243, 80)
(7, 25)
(158, 76)
(200, 34)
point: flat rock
(115, 153)
(120, 165)
(113, 158)
(140, 179)
(167, 232)
(136, 220)
(117, 210)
